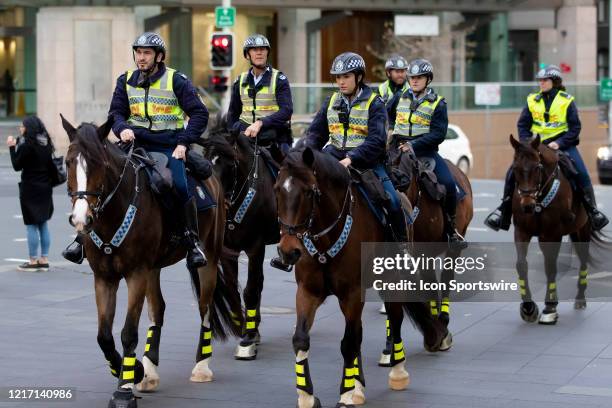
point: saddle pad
(204, 200)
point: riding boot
(397, 222)
(75, 252)
(195, 254)
(502, 216)
(455, 240)
(598, 219)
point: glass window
(451, 134)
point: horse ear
(104, 130)
(535, 143)
(515, 143)
(308, 157)
(70, 130)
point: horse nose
(291, 257)
(529, 208)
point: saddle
(567, 166)
(156, 167)
(428, 182)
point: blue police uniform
(164, 141)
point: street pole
(609, 69)
(225, 100)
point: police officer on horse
(421, 120)
(149, 106)
(391, 90)
(351, 127)
(261, 102)
(552, 114)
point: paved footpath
(48, 338)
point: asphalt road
(48, 338)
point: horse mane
(326, 167)
(88, 144)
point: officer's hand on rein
(127, 135)
(553, 145)
(179, 152)
(253, 129)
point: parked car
(604, 164)
(456, 147)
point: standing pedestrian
(31, 153)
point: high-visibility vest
(557, 115)
(155, 107)
(357, 127)
(263, 104)
(384, 90)
(415, 123)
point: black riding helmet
(349, 62)
(255, 41)
(396, 61)
(150, 40)
(549, 72)
(421, 66)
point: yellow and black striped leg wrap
(251, 322)
(114, 362)
(348, 379)
(582, 281)
(236, 320)
(132, 371)
(152, 346)
(398, 353)
(445, 306)
(389, 340)
(551, 293)
(358, 370)
(525, 295)
(302, 377)
(433, 307)
(205, 345)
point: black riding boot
(195, 254)
(455, 240)
(397, 221)
(75, 252)
(502, 216)
(598, 219)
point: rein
(542, 199)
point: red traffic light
(222, 50)
(220, 41)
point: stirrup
(494, 220)
(457, 241)
(279, 264)
(74, 253)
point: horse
(545, 206)
(324, 220)
(251, 218)
(428, 223)
(129, 235)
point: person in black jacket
(31, 154)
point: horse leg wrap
(357, 370)
(445, 307)
(205, 344)
(525, 296)
(348, 379)
(302, 379)
(152, 345)
(132, 371)
(398, 353)
(582, 282)
(114, 362)
(252, 320)
(433, 304)
(551, 295)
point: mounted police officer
(421, 120)
(552, 114)
(261, 102)
(391, 90)
(149, 106)
(351, 127)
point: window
(451, 134)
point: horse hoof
(447, 342)
(385, 360)
(201, 373)
(549, 318)
(343, 405)
(246, 353)
(529, 311)
(399, 383)
(123, 398)
(316, 403)
(150, 382)
(358, 394)
(580, 304)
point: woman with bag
(32, 154)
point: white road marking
(16, 260)
(18, 216)
(478, 229)
(20, 239)
(485, 195)
(482, 209)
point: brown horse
(324, 220)
(545, 206)
(129, 236)
(428, 223)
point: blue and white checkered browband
(121, 232)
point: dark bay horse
(324, 220)
(545, 206)
(428, 223)
(129, 236)
(251, 219)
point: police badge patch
(142, 39)
(414, 69)
(339, 66)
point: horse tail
(432, 329)
(225, 311)
(600, 249)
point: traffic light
(222, 51)
(219, 83)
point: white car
(456, 148)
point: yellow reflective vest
(357, 129)
(155, 107)
(262, 104)
(557, 115)
(409, 123)
(384, 90)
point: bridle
(537, 192)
